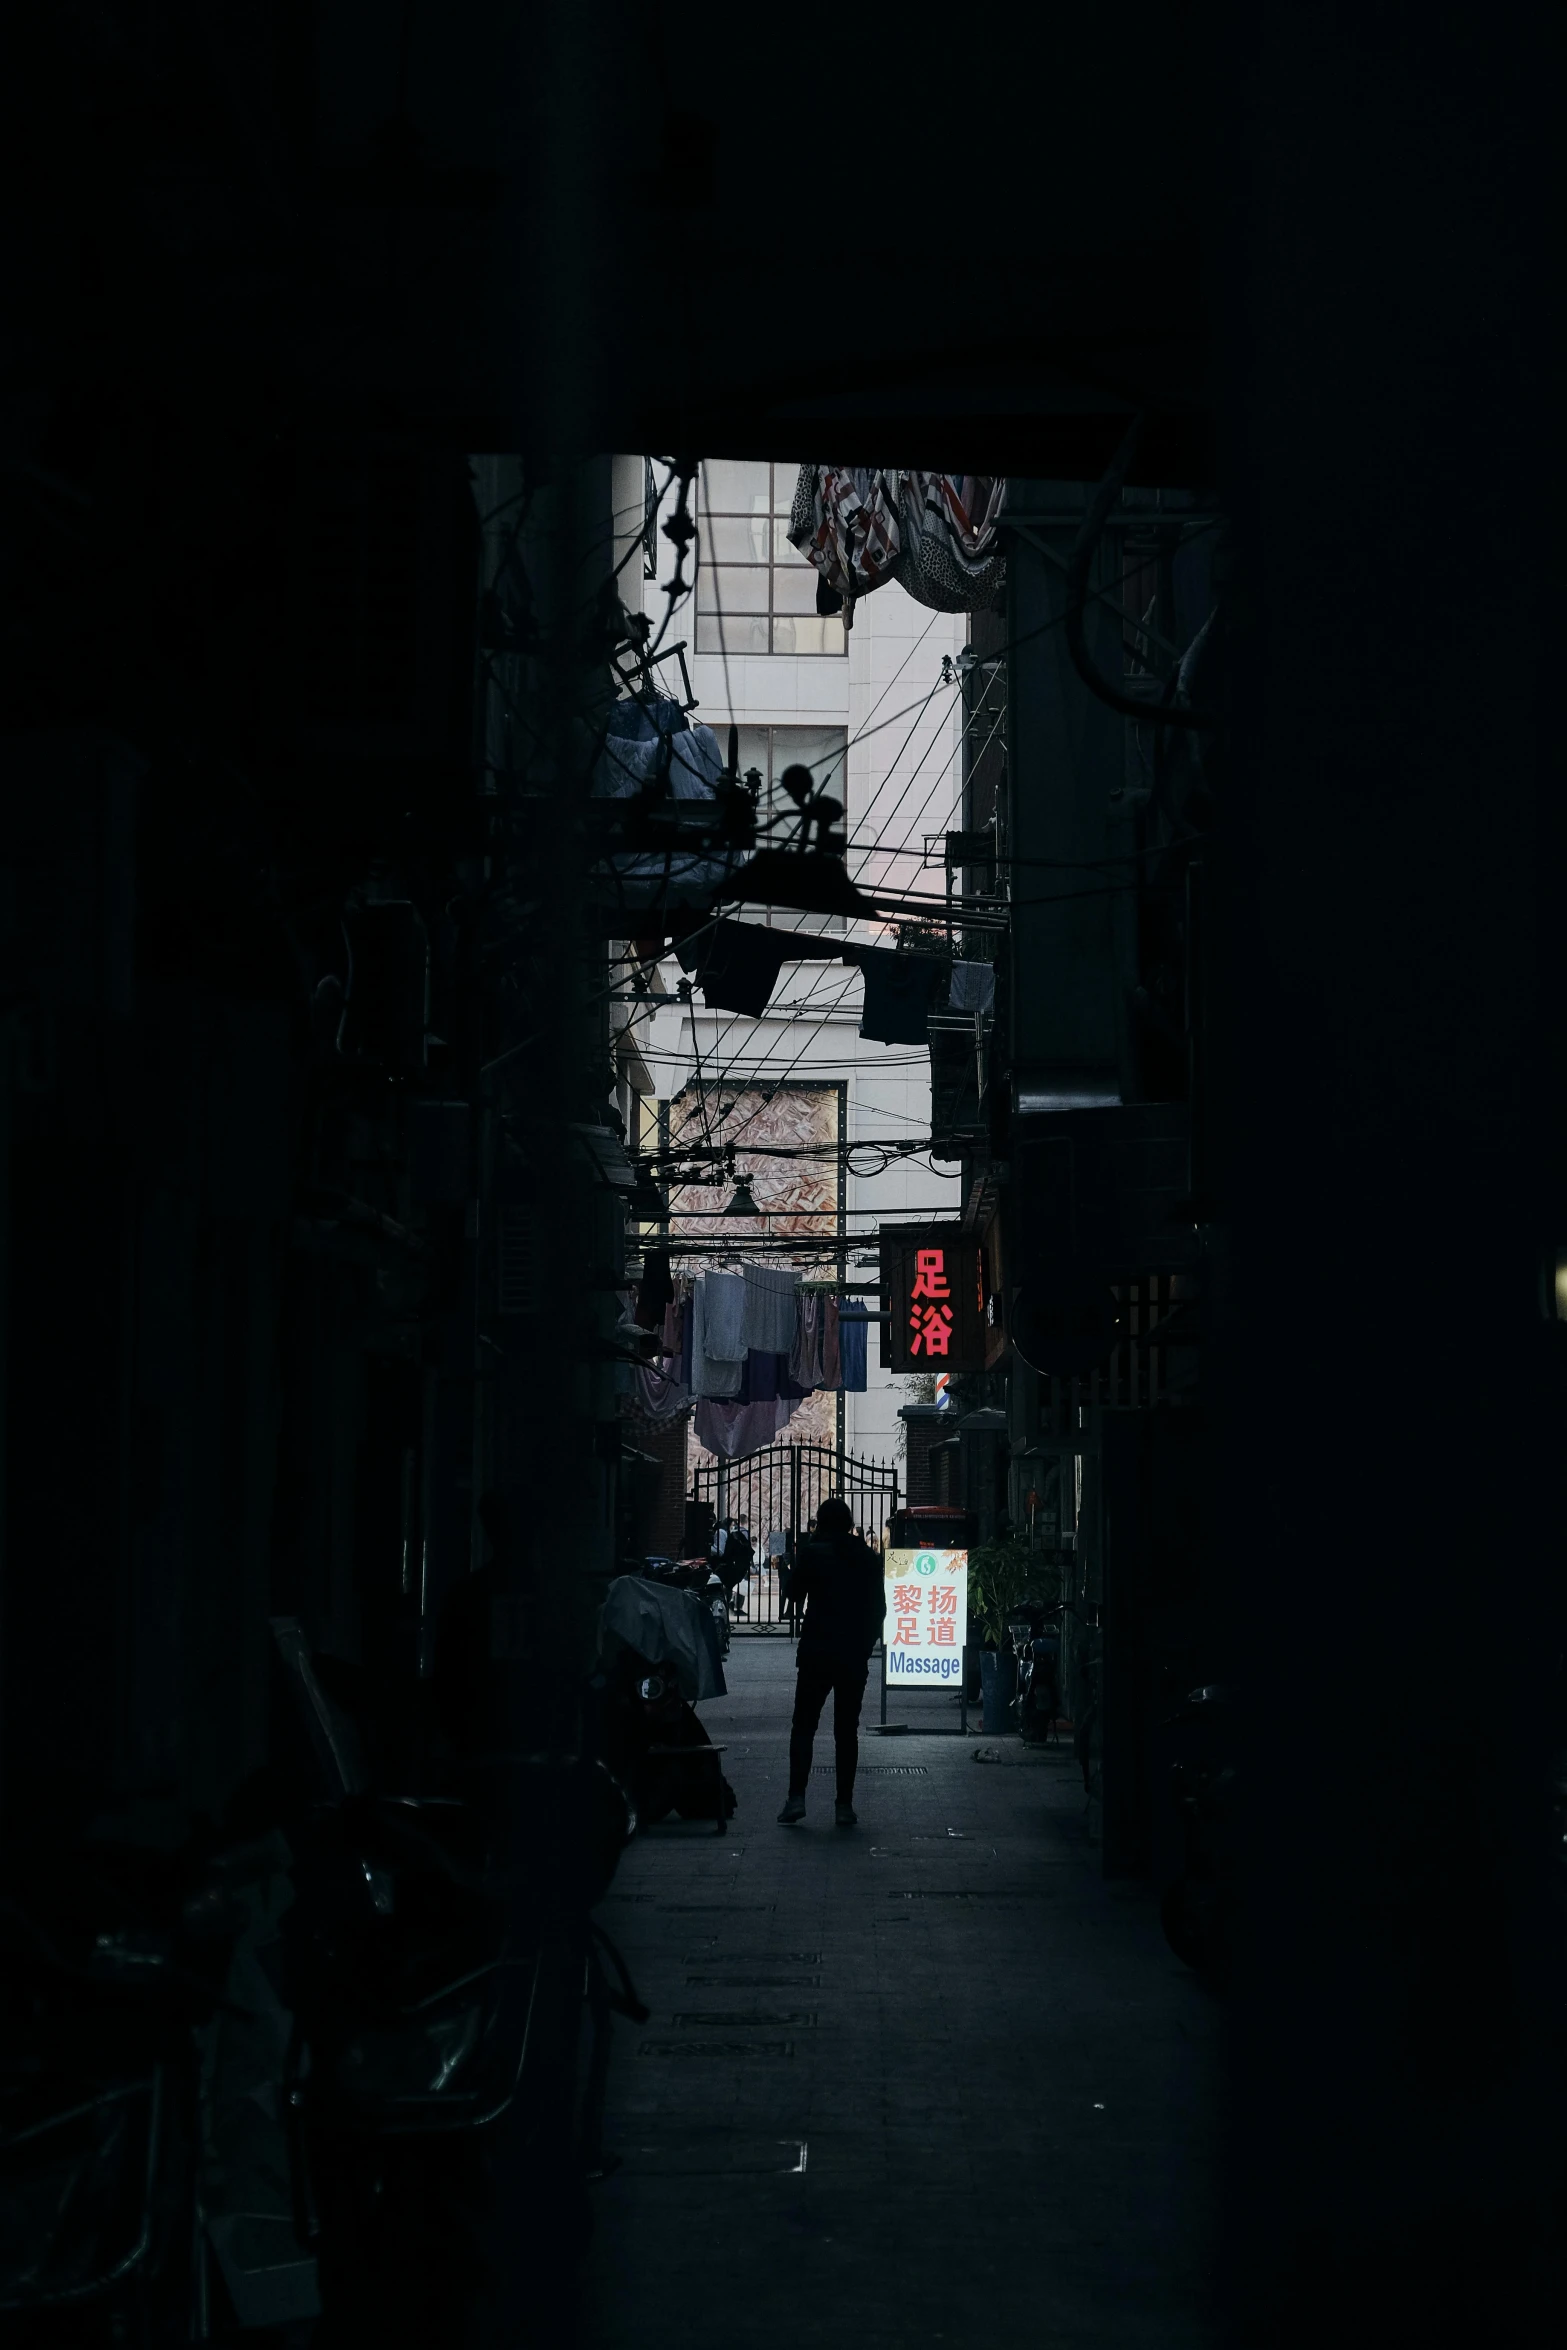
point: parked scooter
(646, 1723)
(1197, 1910)
(1037, 1643)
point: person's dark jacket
(838, 1582)
(734, 1562)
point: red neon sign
(930, 1325)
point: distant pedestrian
(732, 1554)
(837, 1581)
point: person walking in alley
(837, 1581)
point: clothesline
(736, 966)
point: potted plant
(1003, 1576)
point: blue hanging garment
(852, 1328)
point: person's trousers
(846, 1682)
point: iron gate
(775, 1495)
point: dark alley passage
(780, 880)
(905, 2083)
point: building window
(755, 593)
(772, 749)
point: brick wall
(665, 1442)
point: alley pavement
(927, 2080)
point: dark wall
(239, 678)
(1391, 1012)
(240, 229)
(1158, 1635)
(150, 1170)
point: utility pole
(842, 1415)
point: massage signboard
(927, 1617)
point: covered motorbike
(702, 1577)
(659, 1657)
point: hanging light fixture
(743, 1204)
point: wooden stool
(692, 1754)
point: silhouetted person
(731, 1555)
(838, 1582)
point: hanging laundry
(898, 994)
(935, 533)
(723, 1311)
(731, 1429)
(832, 1363)
(737, 965)
(717, 1353)
(650, 744)
(771, 1295)
(767, 1378)
(672, 1328)
(951, 558)
(973, 987)
(844, 520)
(657, 1395)
(805, 1362)
(687, 1338)
(852, 1325)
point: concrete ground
(929, 2080)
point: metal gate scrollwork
(774, 1495)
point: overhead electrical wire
(902, 847)
(718, 603)
(723, 647)
(761, 1078)
(892, 766)
(814, 1029)
(757, 1081)
(915, 644)
(800, 1055)
(931, 789)
(735, 1018)
(1149, 713)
